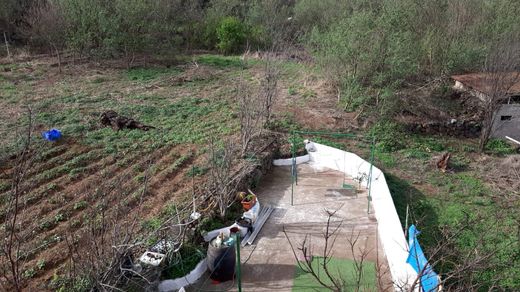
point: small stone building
(507, 116)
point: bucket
(221, 262)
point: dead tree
(269, 85)
(249, 112)
(219, 186)
(12, 245)
(501, 71)
(332, 280)
(46, 25)
(102, 254)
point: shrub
(389, 136)
(231, 34)
(499, 147)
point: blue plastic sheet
(52, 135)
(416, 258)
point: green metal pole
(293, 151)
(293, 168)
(238, 263)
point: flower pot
(248, 204)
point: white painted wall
(390, 229)
(288, 161)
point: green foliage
(499, 147)
(387, 160)
(286, 122)
(233, 213)
(231, 35)
(29, 273)
(152, 224)
(389, 136)
(221, 61)
(146, 74)
(184, 261)
(196, 171)
(120, 27)
(80, 205)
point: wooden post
(7, 45)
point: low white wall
(390, 230)
(288, 161)
(179, 283)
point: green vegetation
(343, 269)
(453, 201)
(184, 261)
(146, 74)
(369, 53)
(233, 213)
(499, 147)
(231, 35)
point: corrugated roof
(484, 82)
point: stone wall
(466, 129)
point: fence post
(238, 262)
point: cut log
(117, 122)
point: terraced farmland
(95, 168)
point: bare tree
(501, 71)
(46, 24)
(255, 104)
(329, 278)
(220, 174)
(12, 245)
(249, 112)
(268, 85)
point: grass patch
(147, 74)
(343, 269)
(499, 147)
(221, 61)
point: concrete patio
(269, 264)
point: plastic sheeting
(52, 135)
(416, 258)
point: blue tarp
(416, 258)
(52, 135)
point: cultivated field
(96, 171)
(95, 168)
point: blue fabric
(416, 258)
(52, 135)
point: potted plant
(247, 200)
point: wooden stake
(7, 46)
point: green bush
(389, 136)
(231, 34)
(499, 147)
